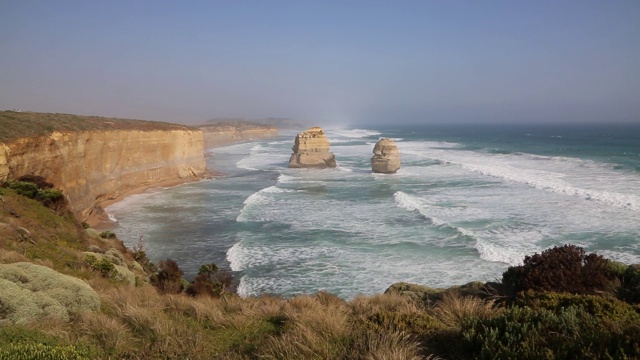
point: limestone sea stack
(386, 158)
(311, 150)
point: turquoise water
(467, 203)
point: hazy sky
(330, 61)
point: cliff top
(15, 125)
(240, 125)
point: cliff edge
(94, 159)
(224, 133)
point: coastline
(99, 219)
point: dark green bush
(103, 266)
(35, 187)
(560, 269)
(107, 234)
(211, 281)
(609, 309)
(24, 188)
(39, 181)
(630, 289)
(539, 333)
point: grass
(16, 125)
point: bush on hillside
(211, 281)
(30, 292)
(168, 280)
(107, 234)
(570, 332)
(630, 290)
(37, 188)
(560, 269)
(99, 264)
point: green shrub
(36, 351)
(17, 343)
(24, 188)
(107, 234)
(630, 291)
(560, 269)
(538, 333)
(607, 308)
(211, 281)
(29, 292)
(36, 187)
(101, 265)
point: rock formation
(386, 158)
(311, 150)
(93, 166)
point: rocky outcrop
(227, 133)
(311, 150)
(94, 166)
(386, 158)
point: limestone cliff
(227, 133)
(386, 157)
(311, 149)
(94, 166)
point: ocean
(467, 203)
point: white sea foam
(236, 256)
(411, 203)
(492, 252)
(254, 200)
(550, 175)
(282, 178)
(354, 133)
(553, 182)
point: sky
(340, 62)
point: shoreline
(99, 219)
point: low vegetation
(16, 125)
(562, 303)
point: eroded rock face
(311, 150)
(94, 166)
(386, 158)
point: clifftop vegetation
(560, 304)
(15, 125)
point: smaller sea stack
(386, 158)
(311, 150)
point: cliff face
(94, 166)
(222, 134)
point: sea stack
(386, 158)
(311, 150)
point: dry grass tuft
(10, 257)
(314, 330)
(201, 309)
(454, 309)
(124, 298)
(114, 336)
(373, 345)
(364, 306)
